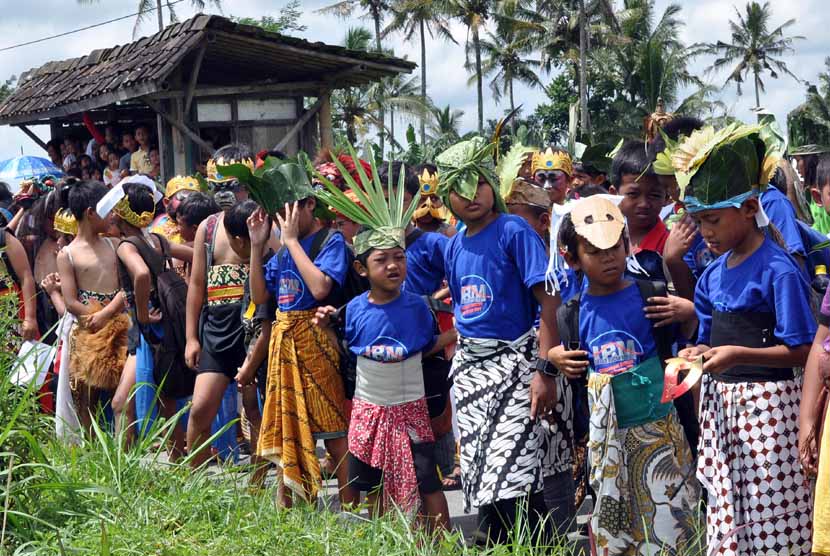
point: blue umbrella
(25, 167)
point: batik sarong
(643, 477)
(759, 502)
(821, 517)
(502, 450)
(382, 437)
(304, 401)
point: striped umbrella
(21, 168)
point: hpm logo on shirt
(615, 352)
(292, 289)
(476, 297)
(386, 349)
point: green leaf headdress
(515, 189)
(385, 219)
(721, 168)
(461, 165)
(275, 183)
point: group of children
(570, 290)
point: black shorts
(365, 478)
(223, 340)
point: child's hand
(322, 317)
(192, 351)
(290, 225)
(573, 364)
(680, 238)
(29, 329)
(542, 395)
(721, 358)
(692, 353)
(51, 283)
(259, 228)
(669, 310)
(154, 316)
(807, 450)
(246, 373)
(96, 321)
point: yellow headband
(550, 160)
(213, 175)
(65, 223)
(180, 183)
(123, 210)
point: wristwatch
(546, 368)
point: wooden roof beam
(178, 125)
(194, 76)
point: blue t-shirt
(782, 214)
(614, 330)
(698, 257)
(391, 332)
(283, 279)
(425, 264)
(491, 275)
(768, 281)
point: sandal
(453, 480)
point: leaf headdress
(385, 217)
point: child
(89, 279)
(155, 162)
(305, 399)
(633, 177)
(496, 274)
(552, 171)
(641, 465)
(192, 211)
(215, 336)
(140, 159)
(391, 443)
(131, 215)
(112, 173)
(755, 327)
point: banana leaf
(274, 184)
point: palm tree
(444, 128)
(145, 7)
(375, 9)
(401, 96)
(473, 14)
(505, 58)
(423, 16)
(351, 104)
(754, 48)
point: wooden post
(194, 77)
(326, 135)
(300, 124)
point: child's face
(385, 268)
(477, 209)
(104, 152)
(642, 200)
(142, 136)
(154, 157)
(187, 231)
(724, 229)
(240, 245)
(114, 161)
(346, 227)
(556, 183)
(821, 196)
(69, 146)
(603, 267)
(99, 225)
(128, 142)
(539, 221)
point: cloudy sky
(706, 20)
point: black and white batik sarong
(502, 450)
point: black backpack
(171, 292)
(567, 321)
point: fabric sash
(637, 394)
(388, 384)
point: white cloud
(706, 21)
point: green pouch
(637, 394)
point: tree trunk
(160, 15)
(477, 48)
(392, 132)
(512, 106)
(757, 91)
(423, 83)
(379, 49)
(583, 86)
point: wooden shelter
(200, 83)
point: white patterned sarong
(759, 501)
(502, 450)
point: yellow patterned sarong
(304, 400)
(821, 517)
